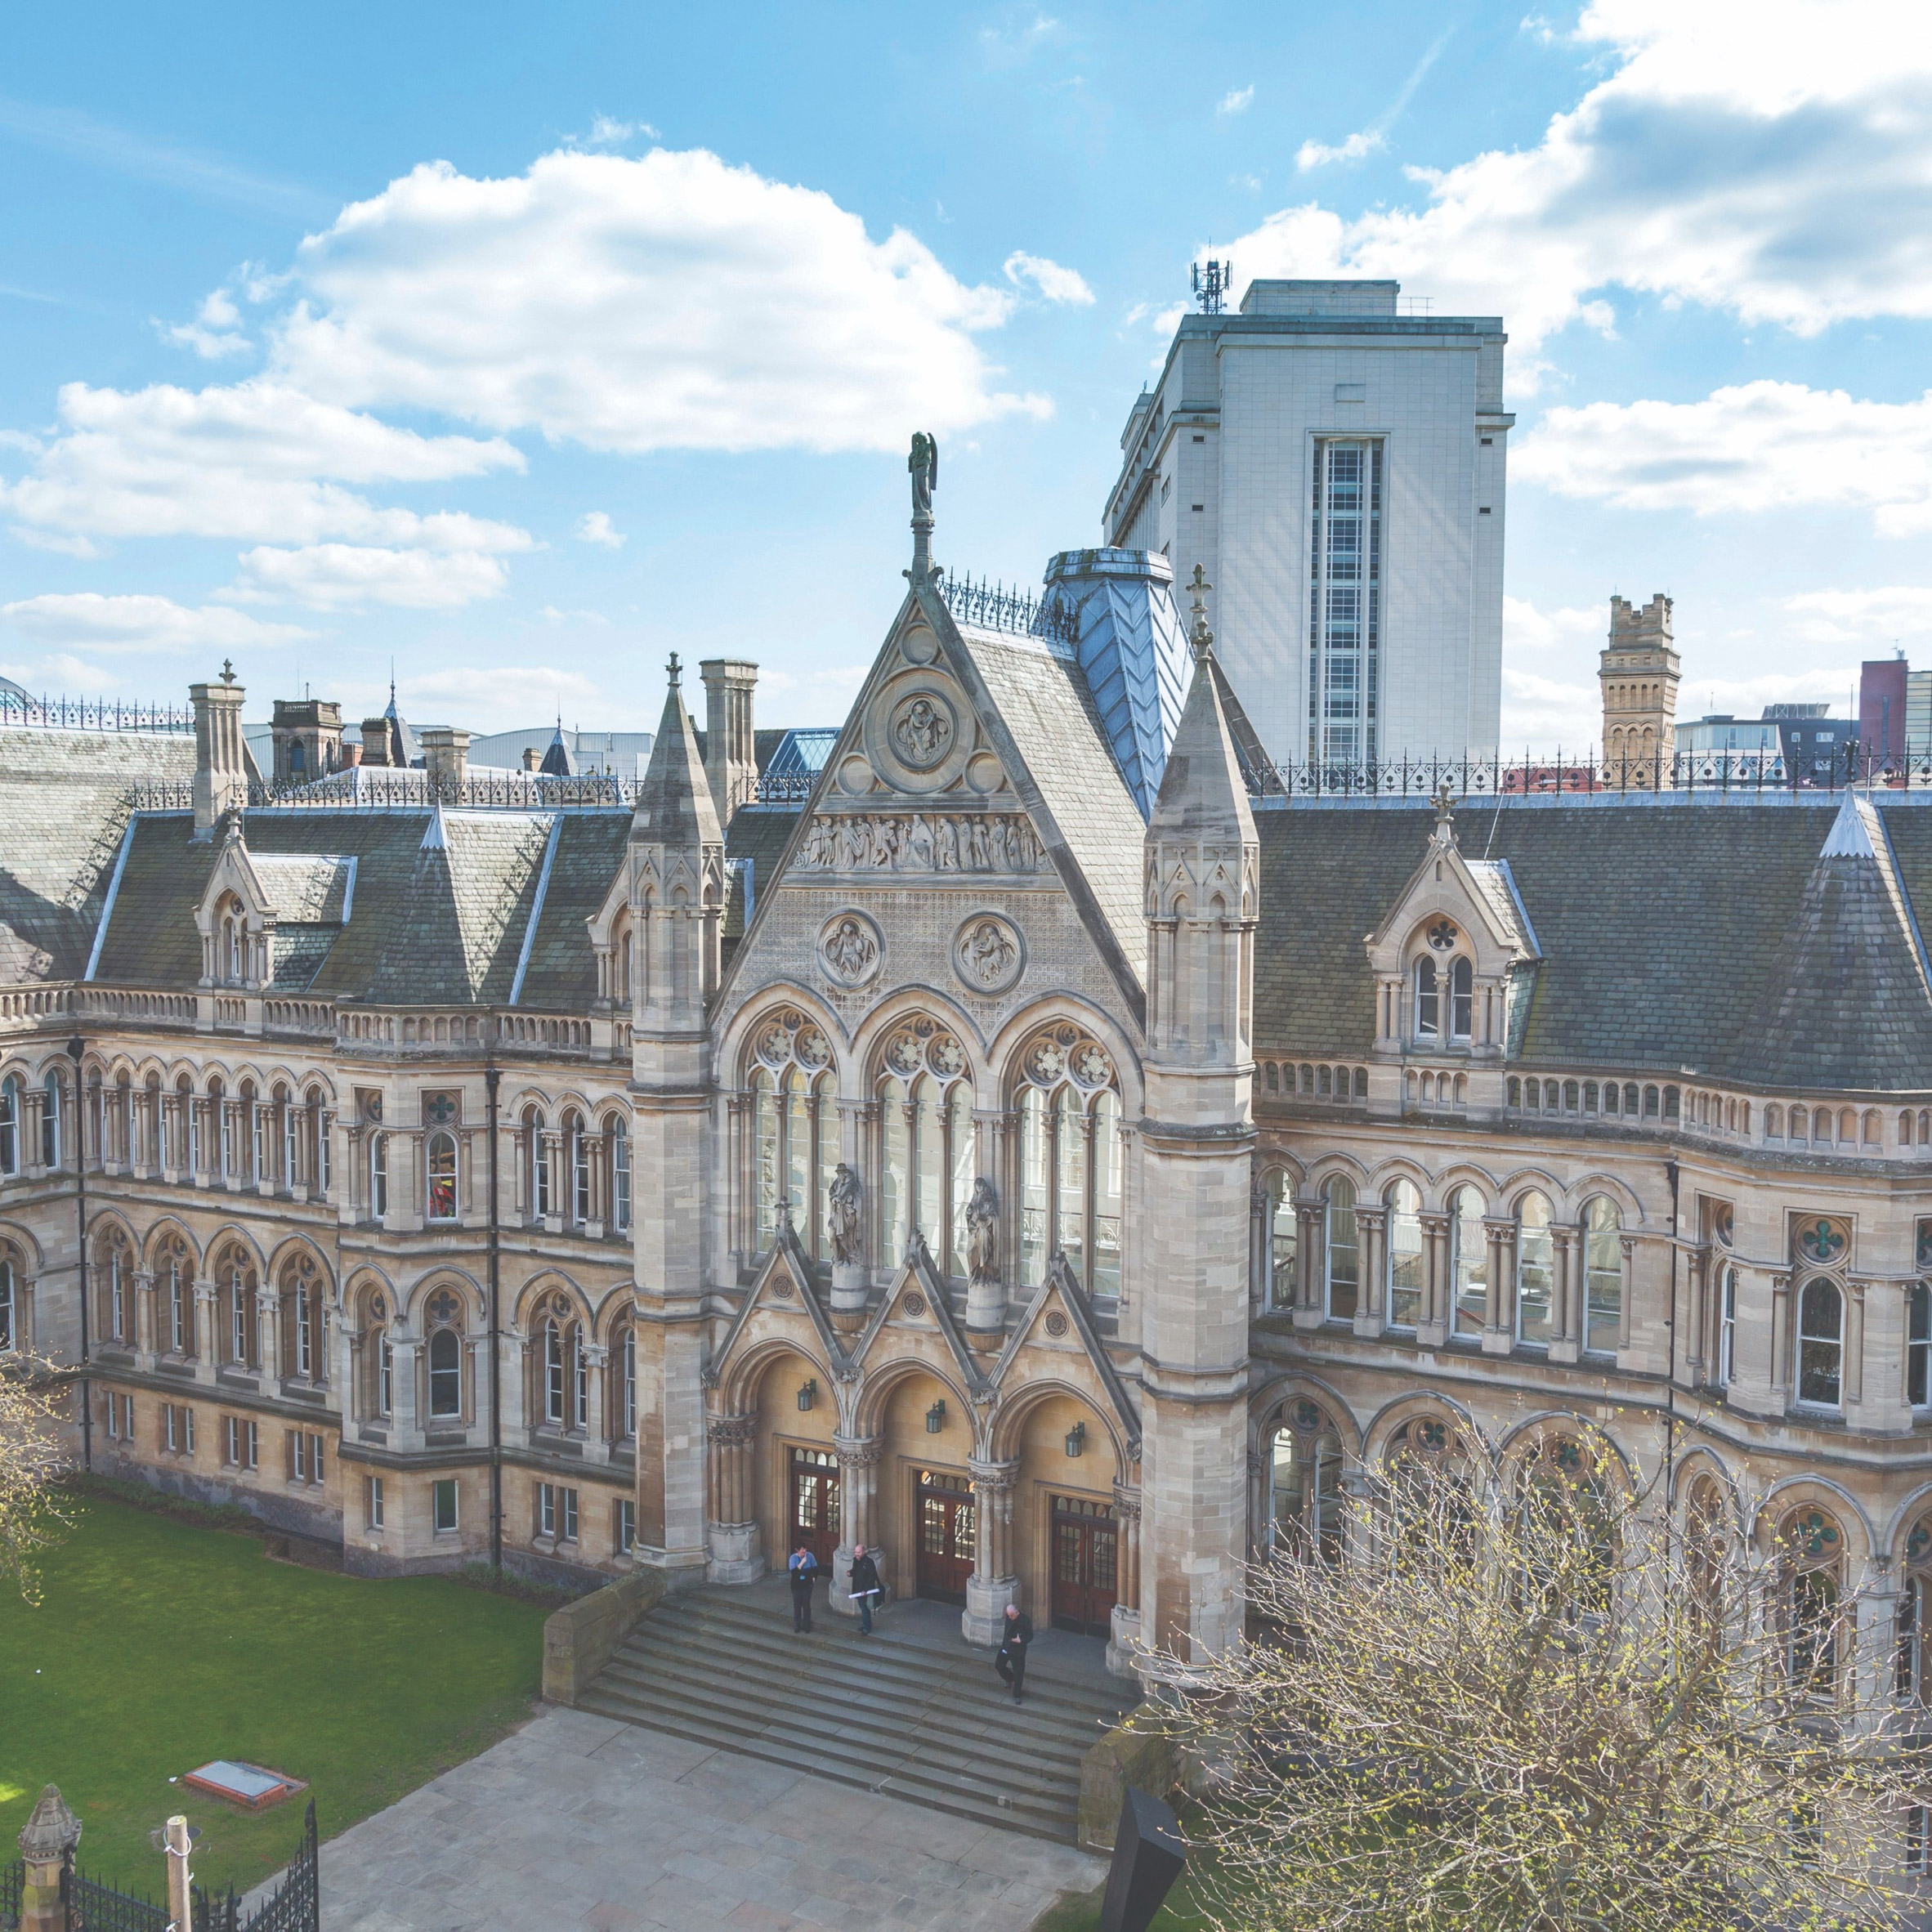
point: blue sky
(525, 346)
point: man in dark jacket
(1016, 1633)
(865, 1586)
(803, 1568)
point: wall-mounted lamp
(808, 1393)
(936, 1417)
(1076, 1438)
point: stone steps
(913, 1719)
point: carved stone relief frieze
(921, 842)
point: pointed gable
(674, 805)
(1848, 999)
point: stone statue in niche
(982, 1234)
(842, 1201)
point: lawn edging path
(160, 1645)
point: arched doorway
(1067, 1533)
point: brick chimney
(221, 771)
(731, 749)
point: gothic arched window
(1468, 1257)
(234, 1275)
(10, 1307)
(113, 1266)
(1811, 1556)
(1071, 1161)
(1305, 1498)
(1602, 1276)
(1278, 1236)
(1341, 1273)
(1429, 1000)
(439, 1161)
(10, 1125)
(53, 1111)
(795, 1131)
(301, 1299)
(175, 1281)
(1821, 1344)
(445, 1354)
(1535, 1269)
(1462, 999)
(619, 1142)
(378, 1175)
(1407, 1274)
(929, 1143)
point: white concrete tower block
(1201, 876)
(676, 863)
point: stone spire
(676, 861)
(1201, 871)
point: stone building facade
(1068, 1199)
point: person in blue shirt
(803, 1568)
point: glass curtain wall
(1344, 601)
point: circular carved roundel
(912, 1303)
(921, 730)
(848, 948)
(1056, 1323)
(988, 954)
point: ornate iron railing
(1565, 775)
(414, 789)
(100, 714)
(993, 608)
(789, 788)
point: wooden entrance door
(946, 1524)
(1085, 1552)
(815, 1504)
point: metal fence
(95, 1906)
(1578, 776)
(100, 714)
(411, 790)
(993, 608)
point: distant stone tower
(1638, 672)
(1201, 871)
(676, 866)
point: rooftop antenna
(1211, 285)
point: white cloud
(551, 613)
(339, 576)
(1016, 44)
(1898, 613)
(258, 461)
(1357, 147)
(596, 529)
(1054, 283)
(88, 620)
(501, 697)
(1236, 100)
(1762, 157)
(1550, 686)
(215, 331)
(666, 302)
(1756, 446)
(607, 132)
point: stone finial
(674, 671)
(1445, 806)
(1200, 636)
(50, 1832)
(228, 671)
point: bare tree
(1532, 1700)
(33, 1401)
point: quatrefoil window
(442, 1307)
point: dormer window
(234, 930)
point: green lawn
(159, 1646)
(1077, 1914)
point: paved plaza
(579, 1820)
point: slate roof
(1044, 702)
(63, 807)
(1669, 934)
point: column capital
(733, 1429)
(1127, 1501)
(860, 1452)
(993, 1475)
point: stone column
(597, 1359)
(1875, 1644)
(858, 1496)
(733, 1531)
(405, 1424)
(1499, 1310)
(993, 1584)
(1311, 1260)
(1628, 1244)
(1701, 1347)
(1371, 1316)
(557, 1150)
(595, 1147)
(1780, 1342)
(1432, 1331)
(1124, 1637)
(1565, 1327)
(855, 1122)
(268, 1330)
(208, 1330)
(147, 1321)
